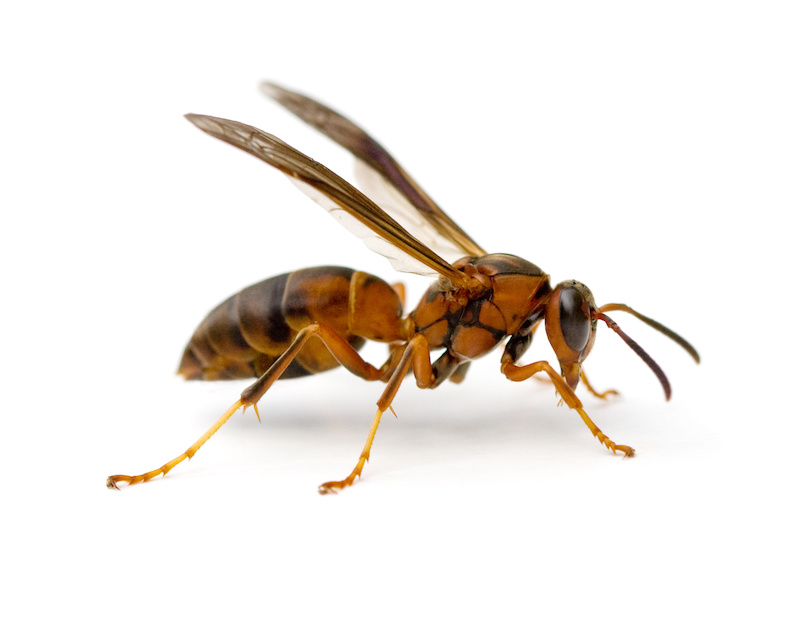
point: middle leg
(415, 357)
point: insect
(316, 319)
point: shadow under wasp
(312, 320)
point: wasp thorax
(471, 323)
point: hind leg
(339, 347)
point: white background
(647, 149)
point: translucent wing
(389, 199)
(381, 177)
(348, 205)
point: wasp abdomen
(244, 335)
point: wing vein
(332, 189)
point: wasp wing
(381, 177)
(349, 206)
(389, 199)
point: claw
(111, 481)
(330, 488)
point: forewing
(381, 177)
(349, 206)
(389, 199)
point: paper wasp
(316, 319)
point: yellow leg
(416, 356)
(111, 481)
(524, 372)
(339, 347)
(594, 392)
(332, 487)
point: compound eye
(576, 325)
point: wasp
(316, 319)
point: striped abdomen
(245, 334)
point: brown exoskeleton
(316, 319)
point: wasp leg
(460, 373)
(594, 392)
(520, 373)
(416, 357)
(340, 349)
(111, 481)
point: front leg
(520, 373)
